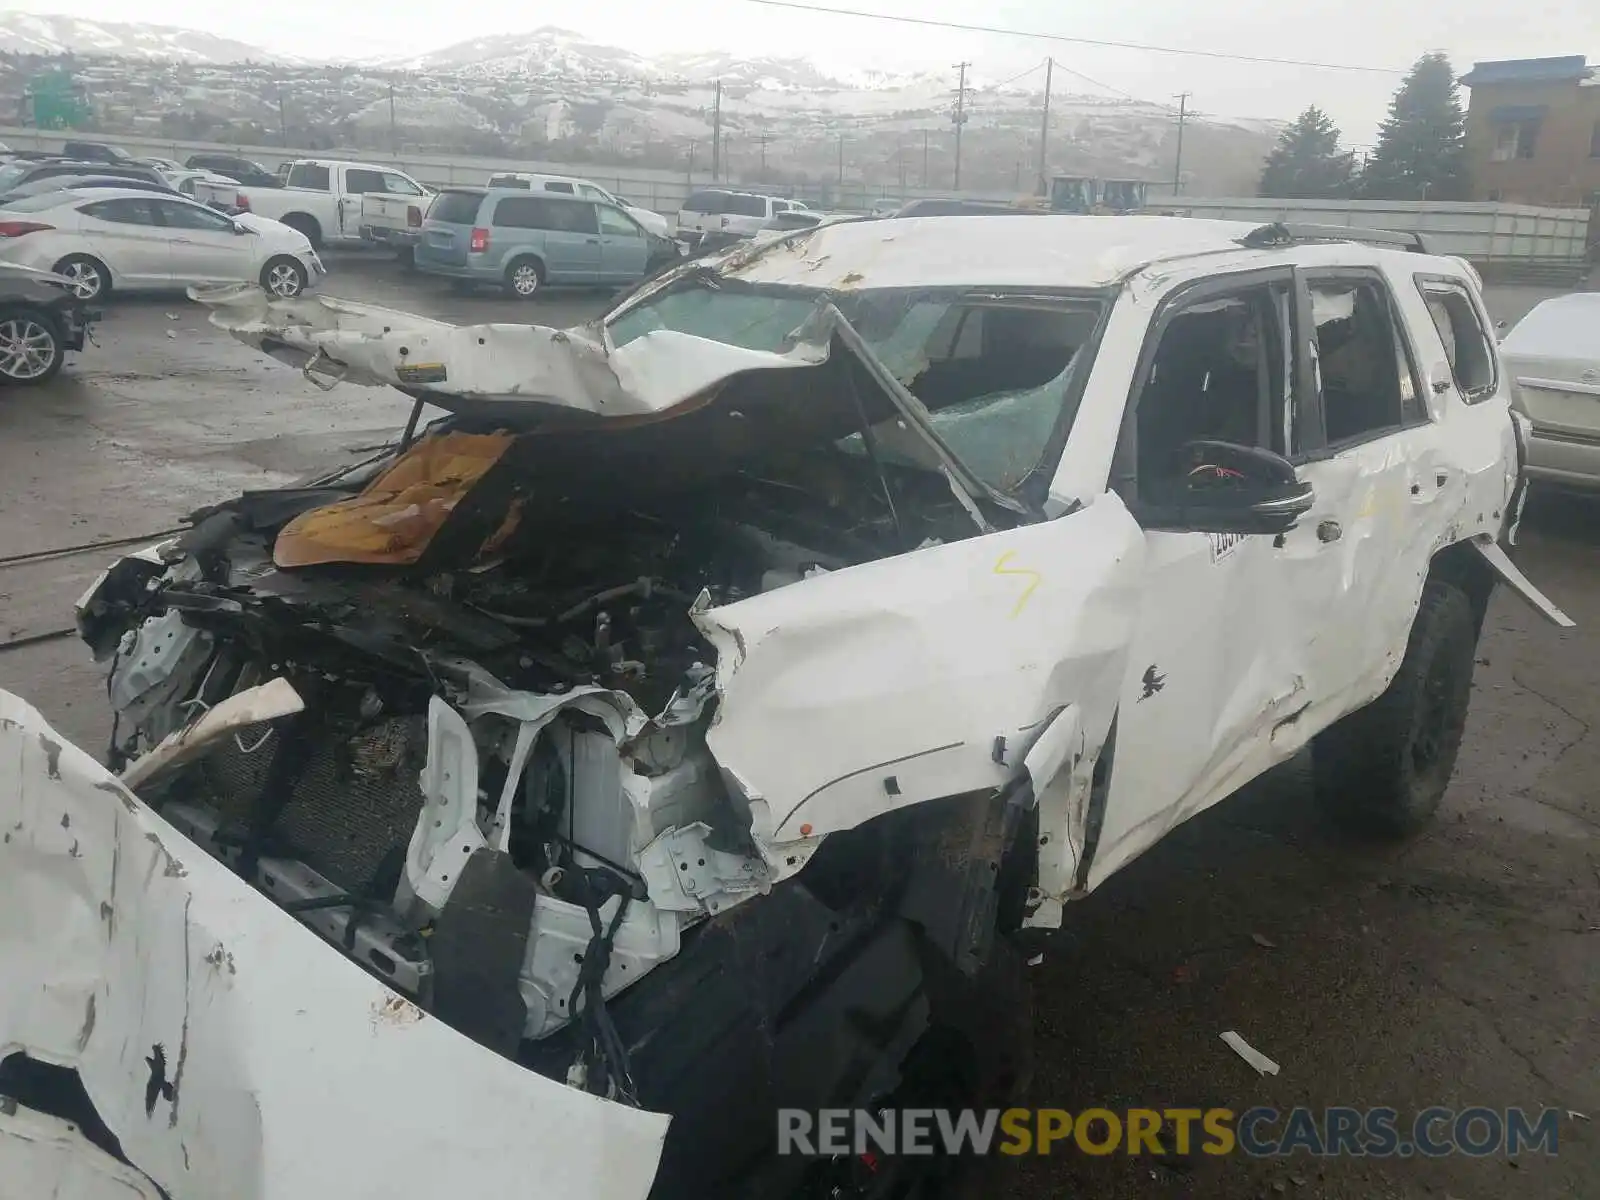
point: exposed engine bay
(498, 796)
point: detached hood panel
(227, 1049)
(489, 369)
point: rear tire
(524, 278)
(1382, 770)
(32, 346)
(90, 279)
(283, 278)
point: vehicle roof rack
(1280, 233)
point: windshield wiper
(963, 482)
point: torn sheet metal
(501, 366)
(1511, 575)
(253, 706)
(866, 690)
(228, 1050)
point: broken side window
(1362, 366)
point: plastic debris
(1573, 1115)
(172, 316)
(172, 335)
(1258, 1060)
(1036, 960)
(1263, 941)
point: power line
(1078, 41)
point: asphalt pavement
(1461, 968)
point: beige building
(1533, 131)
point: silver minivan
(525, 241)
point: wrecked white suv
(670, 729)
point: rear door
(204, 246)
(1384, 491)
(126, 234)
(745, 214)
(624, 249)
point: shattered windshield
(997, 371)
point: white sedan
(109, 239)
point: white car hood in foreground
(229, 1051)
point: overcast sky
(1371, 33)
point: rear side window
(456, 208)
(1367, 381)
(706, 202)
(509, 181)
(1466, 341)
(559, 216)
(123, 211)
(741, 205)
(558, 185)
(311, 176)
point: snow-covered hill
(30, 33)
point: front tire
(1382, 770)
(90, 279)
(31, 347)
(524, 278)
(283, 278)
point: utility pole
(689, 174)
(900, 161)
(394, 139)
(1177, 164)
(960, 117)
(762, 138)
(841, 162)
(924, 159)
(283, 121)
(716, 135)
(1044, 130)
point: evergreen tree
(1307, 163)
(1421, 152)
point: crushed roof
(983, 251)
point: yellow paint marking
(1033, 577)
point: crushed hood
(524, 372)
(225, 1047)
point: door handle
(593, 241)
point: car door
(358, 181)
(1215, 677)
(624, 249)
(205, 246)
(1382, 488)
(572, 241)
(126, 234)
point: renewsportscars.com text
(1257, 1132)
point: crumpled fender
(229, 1051)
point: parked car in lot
(735, 214)
(41, 320)
(185, 181)
(61, 183)
(96, 152)
(741, 673)
(106, 239)
(321, 197)
(231, 166)
(1553, 358)
(524, 241)
(17, 173)
(567, 185)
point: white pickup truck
(322, 198)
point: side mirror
(1221, 487)
(238, 229)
